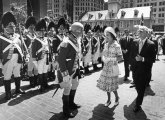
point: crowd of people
(65, 52)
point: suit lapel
(144, 47)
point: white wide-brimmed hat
(111, 30)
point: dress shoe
(137, 109)
(107, 104)
(69, 115)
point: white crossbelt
(32, 38)
(43, 45)
(97, 42)
(12, 43)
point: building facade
(125, 18)
(60, 8)
(158, 10)
(82, 6)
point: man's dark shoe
(137, 109)
(69, 115)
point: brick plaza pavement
(36, 106)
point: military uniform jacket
(66, 59)
(85, 45)
(38, 53)
(29, 39)
(102, 43)
(7, 55)
(56, 42)
(94, 44)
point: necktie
(140, 45)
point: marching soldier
(87, 53)
(51, 39)
(29, 39)
(96, 47)
(102, 43)
(11, 54)
(68, 68)
(40, 48)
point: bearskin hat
(97, 28)
(41, 25)
(30, 21)
(87, 27)
(117, 30)
(104, 28)
(61, 22)
(51, 24)
(7, 18)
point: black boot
(45, 81)
(41, 82)
(17, 85)
(7, 85)
(66, 110)
(72, 105)
(87, 70)
(95, 68)
(35, 80)
(31, 79)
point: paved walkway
(35, 106)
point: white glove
(35, 63)
(66, 78)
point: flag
(89, 16)
(100, 15)
(142, 20)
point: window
(121, 24)
(159, 15)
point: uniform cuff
(142, 59)
(65, 73)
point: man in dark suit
(141, 58)
(125, 43)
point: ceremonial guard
(51, 39)
(11, 54)
(40, 48)
(68, 68)
(102, 43)
(87, 48)
(96, 47)
(30, 36)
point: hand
(66, 78)
(106, 60)
(124, 51)
(139, 58)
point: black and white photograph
(82, 59)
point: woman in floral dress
(112, 53)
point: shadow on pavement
(28, 95)
(60, 116)
(101, 112)
(130, 115)
(149, 92)
(121, 81)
